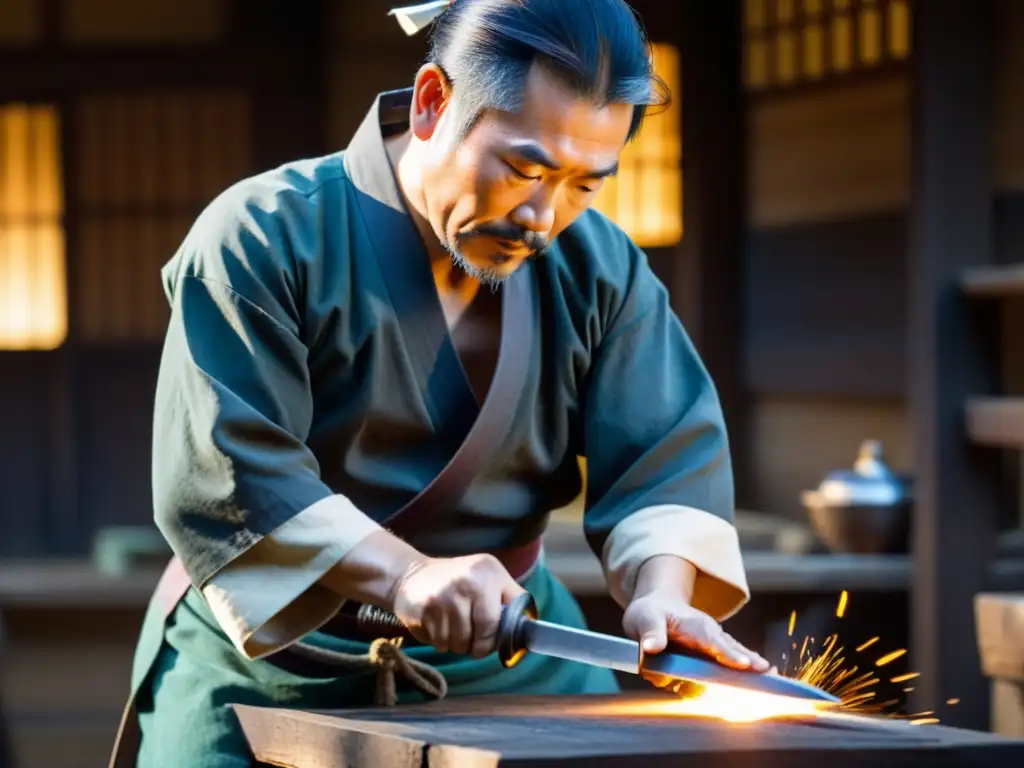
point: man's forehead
(564, 123)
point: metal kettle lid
(870, 483)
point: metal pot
(864, 510)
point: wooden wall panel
(366, 53)
(115, 412)
(1008, 96)
(120, 296)
(827, 316)
(142, 21)
(830, 153)
(21, 22)
(24, 442)
(798, 439)
(148, 165)
(826, 308)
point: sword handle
(511, 640)
(512, 629)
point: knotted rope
(385, 656)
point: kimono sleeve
(659, 473)
(237, 492)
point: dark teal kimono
(308, 355)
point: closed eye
(519, 173)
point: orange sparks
(829, 667)
(889, 657)
(904, 678)
(952, 702)
(925, 721)
(841, 608)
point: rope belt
(386, 658)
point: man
(343, 328)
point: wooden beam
(993, 281)
(707, 282)
(996, 421)
(956, 488)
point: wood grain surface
(575, 731)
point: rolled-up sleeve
(659, 473)
(237, 491)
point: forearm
(666, 574)
(370, 571)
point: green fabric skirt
(187, 670)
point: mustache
(534, 241)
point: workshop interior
(834, 202)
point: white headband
(414, 18)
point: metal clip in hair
(414, 18)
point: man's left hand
(660, 612)
(659, 618)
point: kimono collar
(366, 159)
(405, 269)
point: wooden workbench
(574, 731)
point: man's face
(499, 196)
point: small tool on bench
(521, 632)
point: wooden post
(707, 283)
(950, 230)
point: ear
(431, 96)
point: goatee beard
(492, 278)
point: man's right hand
(454, 604)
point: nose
(536, 214)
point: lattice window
(791, 42)
(148, 164)
(33, 289)
(646, 198)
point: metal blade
(624, 655)
(580, 645)
(696, 670)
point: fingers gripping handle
(511, 640)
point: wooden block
(596, 732)
(1008, 708)
(999, 622)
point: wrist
(414, 566)
(668, 575)
(374, 570)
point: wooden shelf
(996, 421)
(994, 281)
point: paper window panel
(646, 197)
(33, 282)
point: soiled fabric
(181, 705)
